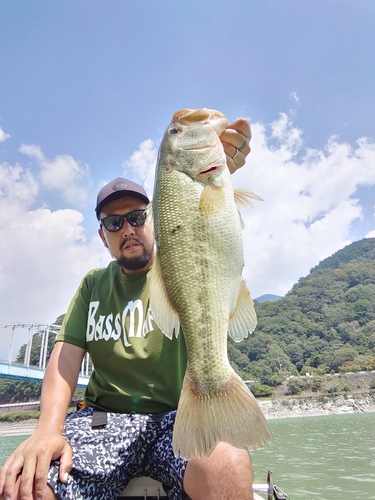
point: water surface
(328, 457)
(321, 458)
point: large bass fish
(196, 282)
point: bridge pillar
(10, 352)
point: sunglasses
(114, 223)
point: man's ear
(102, 236)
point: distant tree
(237, 357)
(295, 353)
(258, 346)
(368, 331)
(261, 390)
(349, 367)
(342, 356)
(35, 352)
(295, 385)
(348, 331)
(13, 391)
(365, 362)
(264, 373)
(60, 319)
(278, 360)
(316, 383)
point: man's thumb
(65, 465)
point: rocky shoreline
(273, 408)
(319, 405)
(21, 428)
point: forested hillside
(325, 323)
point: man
(126, 428)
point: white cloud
(63, 174)
(44, 253)
(294, 96)
(33, 151)
(17, 185)
(141, 164)
(308, 206)
(3, 135)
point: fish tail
(231, 415)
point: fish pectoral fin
(242, 198)
(212, 201)
(162, 309)
(150, 215)
(244, 319)
(241, 219)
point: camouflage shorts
(105, 458)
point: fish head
(191, 143)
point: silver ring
(242, 145)
(235, 154)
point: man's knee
(225, 474)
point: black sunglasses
(114, 223)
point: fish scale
(196, 281)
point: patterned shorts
(106, 458)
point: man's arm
(27, 467)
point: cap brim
(117, 195)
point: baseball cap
(118, 188)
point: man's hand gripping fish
(196, 281)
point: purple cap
(116, 189)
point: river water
(328, 457)
(321, 458)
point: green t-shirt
(136, 367)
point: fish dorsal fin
(212, 200)
(242, 198)
(243, 320)
(162, 310)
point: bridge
(28, 352)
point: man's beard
(135, 263)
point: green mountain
(325, 323)
(268, 297)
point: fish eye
(175, 130)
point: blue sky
(88, 87)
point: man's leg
(50, 495)
(225, 475)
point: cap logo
(118, 186)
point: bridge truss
(10, 368)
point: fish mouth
(200, 148)
(210, 169)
